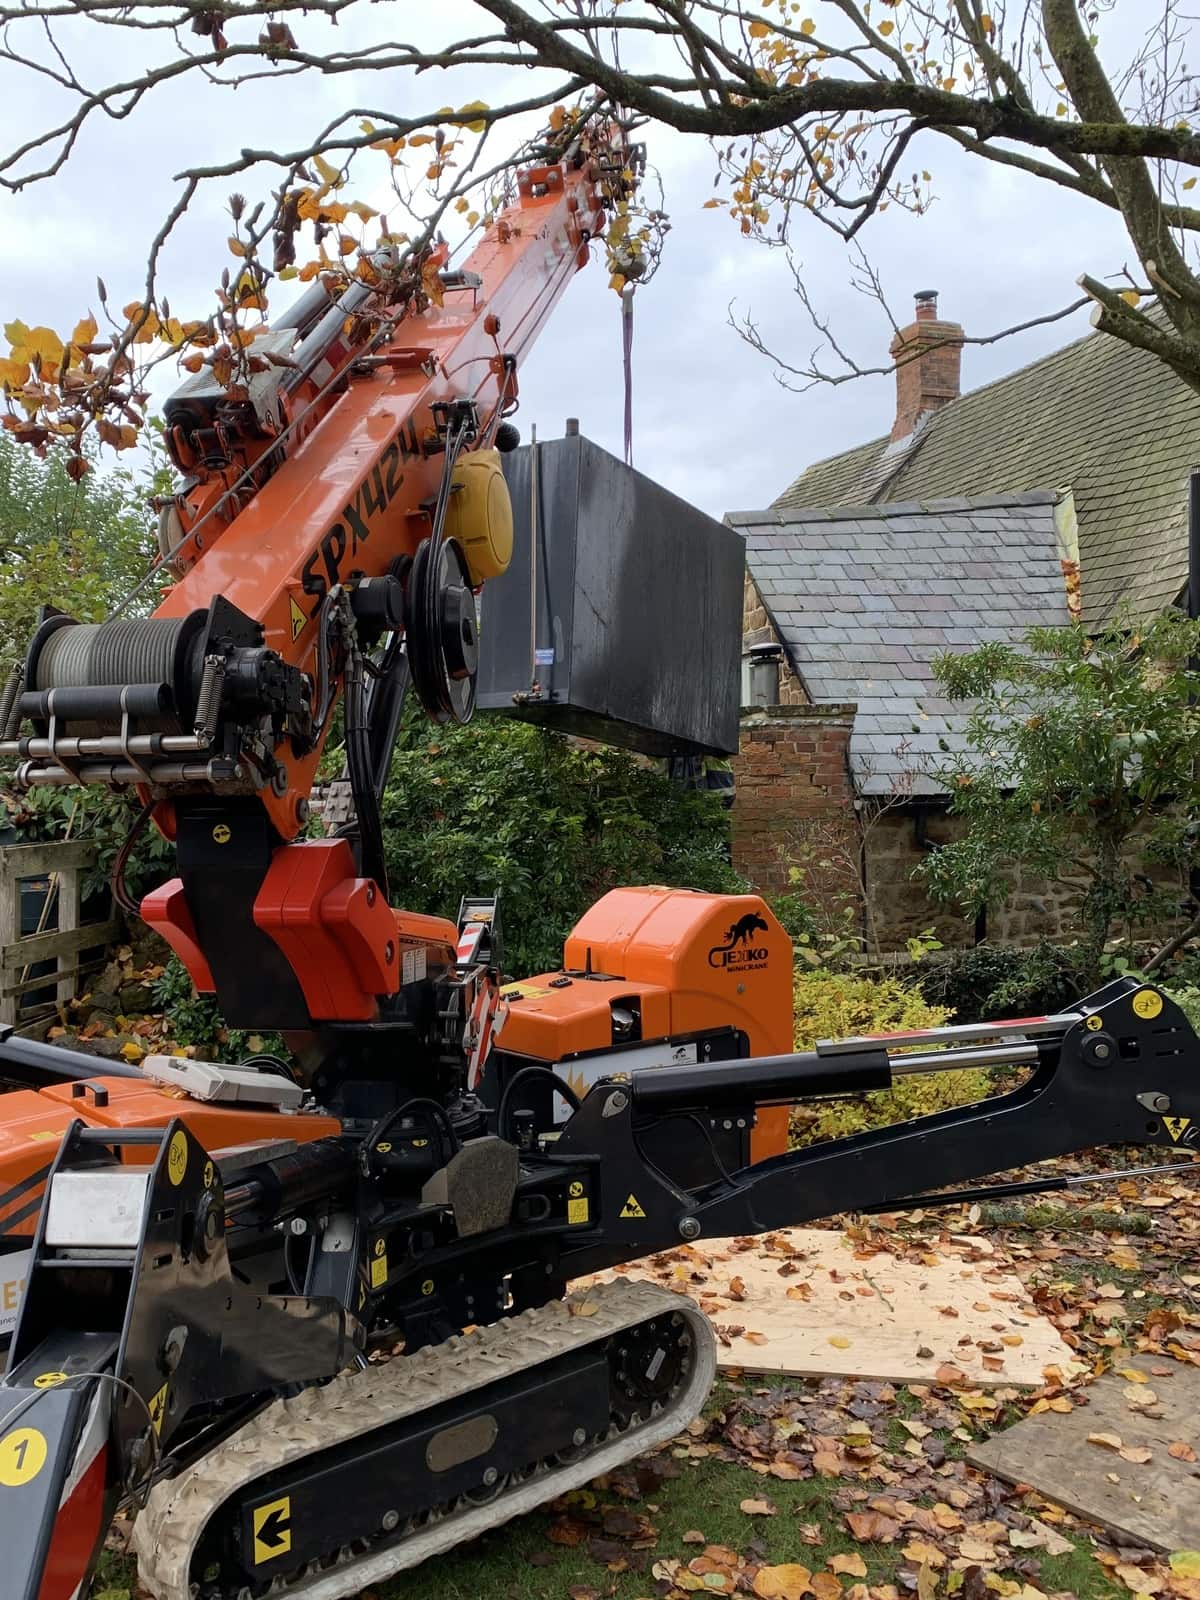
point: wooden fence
(63, 937)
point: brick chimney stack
(928, 357)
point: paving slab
(1155, 1501)
(811, 1302)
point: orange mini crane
(206, 1255)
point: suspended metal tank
(620, 617)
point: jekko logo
(739, 949)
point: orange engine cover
(695, 962)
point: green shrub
(994, 981)
(795, 914)
(1187, 998)
(834, 1005)
(195, 1019)
(103, 816)
(503, 805)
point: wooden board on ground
(1152, 1501)
(811, 1303)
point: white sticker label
(583, 1072)
(12, 1286)
(412, 965)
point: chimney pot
(928, 358)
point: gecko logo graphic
(371, 499)
(739, 950)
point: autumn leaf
(808, 27)
(759, 1508)
(737, 1289)
(787, 1582)
(758, 30)
(43, 342)
(1107, 1441)
(1182, 1451)
(927, 1555)
(852, 1565)
(1136, 1579)
(328, 174)
(872, 1525)
(1185, 1563)
(839, 1341)
(1137, 1454)
(826, 1586)
(949, 1373)
(475, 124)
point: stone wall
(797, 807)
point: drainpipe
(1193, 608)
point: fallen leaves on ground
(886, 1459)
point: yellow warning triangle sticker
(631, 1208)
(1177, 1126)
(158, 1408)
(298, 619)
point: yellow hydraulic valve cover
(480, 517)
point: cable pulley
(442, 631)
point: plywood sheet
(1154, 1502)
(810, 1302)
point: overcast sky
(710, 421)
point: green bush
(195, 1019)
(994, 981)
(103, 816)
(503, 805)
(1187, 998)
(834, 1005)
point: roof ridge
(943, 505)
(969, 394)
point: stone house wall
(797, 806)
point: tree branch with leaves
(824, 111)
(1079, 769)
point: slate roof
(863, 598)
(1098, 417)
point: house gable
(1098, 417)
(863, 599)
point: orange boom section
(357, 487)
(691, 963)
(34, 1123)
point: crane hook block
(479, 517)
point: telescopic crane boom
(210, 1254)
